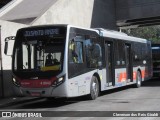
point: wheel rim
(94, 90)
(139, 79)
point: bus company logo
(20, 114)
(6, 114)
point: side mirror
(6, 47)
(7, 39)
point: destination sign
(42, 32)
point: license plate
(35, 94)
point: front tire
(94, 88)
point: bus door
(109, 63)
(128, 62)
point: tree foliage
(150, 33)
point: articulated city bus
(68, 61)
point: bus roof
(101, 31)
(60, 25)
(119, 35)
(49, 25)
(91, 29)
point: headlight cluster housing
(15, 81)
(59, 81)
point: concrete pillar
(103, 14)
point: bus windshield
(38, 56)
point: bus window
(76, 51)
(93, 53)
(120, 53)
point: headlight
(15, 82)
(59, 81)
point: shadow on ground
(40, 103)
(155, 82)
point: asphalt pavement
(145, 100)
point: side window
(93, 53)
(77, 54)
(138, 49)
(76, 50)
(120, 53)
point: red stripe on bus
(134, 75)
(143, 73)
(37, 83)
(122, 77)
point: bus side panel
(80, 85)
(142, 59)
(81, 60)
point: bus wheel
(138, 80)
(94, 88)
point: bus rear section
(127, 59)
(156, 59)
